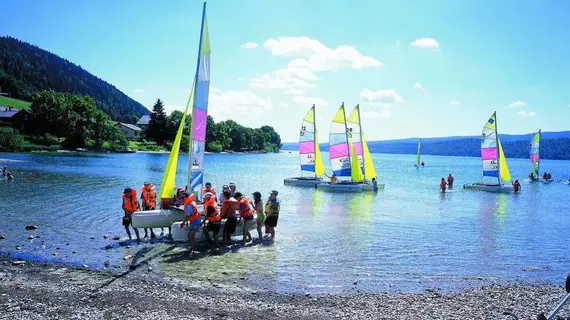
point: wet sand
(43, 291)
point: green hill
(18, 104)
(25, 69)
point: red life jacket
(247, 212)
(130, 204)
(195, 215)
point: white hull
(159, 218)
(181, 234)
(303, 182)
(348, 187)
(501, 188)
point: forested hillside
(26, 69)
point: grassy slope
(9, 102)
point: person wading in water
(130, 206)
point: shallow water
(406, 237)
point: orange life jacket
(442, 185)
(247, 212)
(130, 204)
(195, 215)
(149, 196)
(450, 179)
(214, 217)
(212, 191)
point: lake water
(406, 237)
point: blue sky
(417, 69)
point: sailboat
(309, 153)
(169, 215)
(494, 161)
(349, 155)
(535, 156)
(418, 163)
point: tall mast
(538, 154)
(498, 151)
(361, 142)
(190, 145)
(346, 134)
(315, 137)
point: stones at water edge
(117, 238)
(2, 237)
(18, 262)
(128, 257)
(30, 237)
(18, 248)
(109, 247)
(106, 236)
(106, 263)
(31, 227)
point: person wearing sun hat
(272, 212)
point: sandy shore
(38, 291)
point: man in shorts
(229, 213)
(272, 208)
(130, 206)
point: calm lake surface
(407, 237)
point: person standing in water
(450, 180)
(375, 184)
(246, 214)
(272, 208)
(148, 199)
(516, 186)
(5, 171)
(258, 207)
(130, 206)
(228, 213)
(193, 218)
(442, 185)
(213, 217)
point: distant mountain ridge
(554, 145)
(26, 68)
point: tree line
(26, 69)
(224, 135)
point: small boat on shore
(309, 153)
(349, 155)
(167, 214)
(494, 162)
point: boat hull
(498, 188)
(303, 182)
(161, 218)
(181, 234)
(348, 187)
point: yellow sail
(355, 172)
(169, 179)
(319, 167)
(503, 167)
(368, 164)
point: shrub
(11, 140)
(215, 147)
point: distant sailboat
(309, 153)
(418, 163)
(535, 156)
(494, 162)
(349, 155)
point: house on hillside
(21, 120)
(131, 131)
(143, 121)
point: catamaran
(494, 161)
(418, 163)
(349, 155)
(309, 153)
(169, 215)
(535, 159)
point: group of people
(546, 176)
(235, 207)
(334, 179)
(443, 185)
(7, 174)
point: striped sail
(418, 156)
(354, 133)
(200, 110)
(535, 153)
(489, 148)
(338, 145)
(309, 152)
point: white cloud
(419, 86)
(309, 101)
(523, 113)
(517, 104)
(168, 108)
(139, 90)
(455, 102)
(295, 91)
(225, 104)
(250, 45)
(387, 96)
(240, 79)
(386, 113)
(425, 43)
(310, 56)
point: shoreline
(32, 290)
